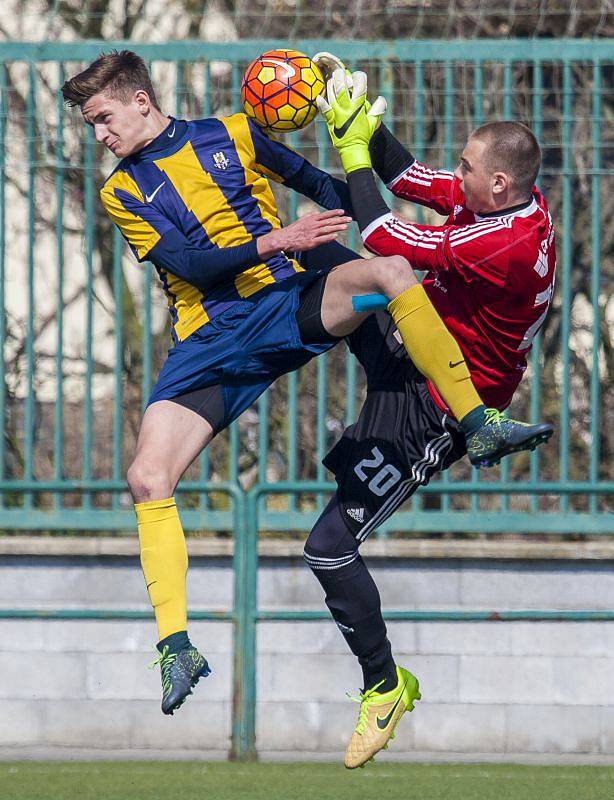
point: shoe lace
(493, 417)
(364, 698)
(166, 661)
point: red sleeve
(437, 189)
(479, 251)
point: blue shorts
(243, 350)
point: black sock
(379, 668)
(352, 597)
(473, 421)
(175, 642)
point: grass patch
(150, 780)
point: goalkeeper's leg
(354, 602)
(429, 344)
(432, 349)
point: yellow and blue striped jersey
(207, 179)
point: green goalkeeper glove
(350, 124)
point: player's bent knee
(318, 545)
(394, 275)
(312, 552)
(329, 541)
(147, 484)
(398, 266)
(399, 263)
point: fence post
(244, 642)
(244, 731)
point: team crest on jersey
(220, 160)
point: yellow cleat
(378, 717)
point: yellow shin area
(164, 559)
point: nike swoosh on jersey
(340, 132)
(172, 133)
(150, 197)
(456, 363)
(382, 724)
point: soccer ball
(279, 90)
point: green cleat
(180, 673)
(500, 437)
(378, 718)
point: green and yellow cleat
(180, 673)
(378, 718)
(500, 437)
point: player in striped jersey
(194, 198)
(490, 273)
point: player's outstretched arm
(207, 268)
(197, 266)
(392, 161)
(153, 237)
(386, 234)
(407, 178)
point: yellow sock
(434, 350)
(164, 559)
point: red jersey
(491, 278)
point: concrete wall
(496, 688)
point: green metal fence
(82, 330)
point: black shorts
(309, 314)
(400, 440)
(209, 402)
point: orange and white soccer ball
(279, 90)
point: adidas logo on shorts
(357, 514)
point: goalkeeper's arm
(366, 198)
(388, 156)
(407, 178)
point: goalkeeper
(490, 273)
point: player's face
(119, 126)
(476, 181)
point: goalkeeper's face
(484, 189)
(118, 125)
